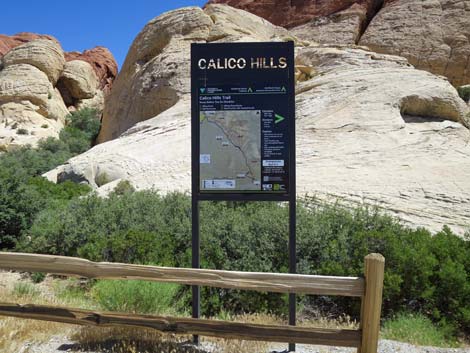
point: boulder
(156, 71)
(102, 61)
(434, 35)
(30, 108)
(371, 129)
(44, 54)
(22, 82)
(79, 80)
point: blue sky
(80, 25)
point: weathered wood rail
(369, 289)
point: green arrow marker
(279, 118)
(203, 90)
(283, 89)
(250, 90)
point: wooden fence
(369, 289)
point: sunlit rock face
(40, 85)
(371, 129)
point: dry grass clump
(14, 332)
(129, 340)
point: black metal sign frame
(225, 70)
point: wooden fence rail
(369, 289)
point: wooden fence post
(372, 302)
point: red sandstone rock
(103, 63)
(291, 13)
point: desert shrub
(23, 193)
(38, 277)
(85, 120)
(140, 297)
(102, 179)
(123, 187)
(22, 131)
(22, 197)
(464, 93)
(424, 272)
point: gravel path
(60, 344)
(385, 346)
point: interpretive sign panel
(243, 128)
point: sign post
(243, 133)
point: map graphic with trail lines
(230, 150)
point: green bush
(23, 193)
(425, 273)
(464, 93)
(38, 277)
(141, 297)
(86, 120)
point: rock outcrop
(292, 13)
(102, 61)
(434, 35)
(370, 128)
(30, 108)
(38, 88)
(79, 79)
(100, 58)
(155, 74)
(45, 54)
(9, 42)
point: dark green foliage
(425, 273)
(23, 193)
(464, 93)
(80, 131)
(87, 121)
(22, 132)
(38, 277)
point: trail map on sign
(230, 150)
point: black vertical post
(195, 260)
(292, 264)
(292, 194)
(195, 254)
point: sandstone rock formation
(9, 42)
(433, 35)
(38, 88)
(30, 108)
(79, 79)
(100, 58)
(370, 128)
(155, 73)
(46, 55)
(292, 13)
(102, 61)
